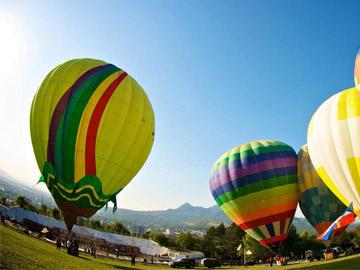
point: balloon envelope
(318, 204)
(255, 184)
(334, 145)
(92, 128)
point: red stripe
(90, 161)
(346, 220)
(267, 220)
(273, 240)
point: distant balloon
(92, 128)
(318, 204)
(255, 184)
(357, 70)
(334, 145)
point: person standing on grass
(58, 243)
(133, 260)
(271, 260)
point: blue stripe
(270, 228)
(253, 178)
(249, 160)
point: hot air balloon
(318, 204)
(357, 70)
(255, 184)
(92, 129)
(334, 145)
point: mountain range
(185, 217)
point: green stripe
(256, 187)
(259, 232)
(73, 114)
(251, 152)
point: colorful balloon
(334, 145)
(318, 204)
(357, 70)
(92, 129)
(255, 184)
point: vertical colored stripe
(354, 168)
(73, 113)
(282, 226)
(60, 108)
(326, 178)
(79, 170)
(270, 229)
(90, 162)
(348, 104)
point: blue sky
(218, 74)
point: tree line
(225, 243)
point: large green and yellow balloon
(92, 129)
(318, 204)
(334, 145)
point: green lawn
(18, 251)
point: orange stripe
(276, 209)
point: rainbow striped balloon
(92, 128)
(255, 184)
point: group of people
(91, 251)
(72, 245)
(279, 260)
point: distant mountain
(185, 217)
(12, 188)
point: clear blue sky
(218, 74)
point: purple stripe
(60, 108)
(224, 176)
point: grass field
(18, 251)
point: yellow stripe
(78, 197)
(267, 195)
(84, 124)
(253, 234)
(348, 104)
(82, 188)
(276, 225)
(354, 165)
(265, 231)
(326, 178)
(233, 211)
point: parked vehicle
(210, 262)
(187, 263)
(314, 254)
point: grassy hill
(18, 251)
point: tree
(185, 241)
(304, 235)
(258, 251)
(160, 238)
(119, 228)
(43, 209)
(56, 213)
(3, 201)
(22, 201)
(80, 221)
